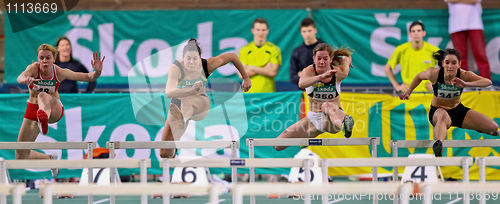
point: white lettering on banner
(237, 44)
(220, 132)
(119, 55)
(385, 20)
(378, 43)
(493, 51)
(81, 52)
(73, 119)
(138, 133)
(77, 20)
(163, 55)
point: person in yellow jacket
(414, 57)
(262, 59)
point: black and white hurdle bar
(482, 162)
(130, 189)
(143, 164)
(90, 146)
(252, 143)
(234, 163)
(216, 144)
(396, 144)
(465, 162)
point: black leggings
(456, 114)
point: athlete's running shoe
(438, 148)
(43, 121)
(348, 124)
(54, 171)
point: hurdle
(334, 188)
(143, 164)
(457, 187)
(396, 144)
(252, 143)
(216, 144)
(465, 162)
(482, 162)
(166, 164)
(90, 146)
(130, 189)
(16, 190)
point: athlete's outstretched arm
(28, 75)
(425, 75)
(78, 76)
(343, 69)
(471, 79)
(309, 77)
(171, 89)
(215, 62)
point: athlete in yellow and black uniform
(446, 107)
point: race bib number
(47, 86)
(325, 93)
(447, 91)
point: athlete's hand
(30, 80)
(197, 86)
(401, 88)
(327, 75)
(405, 95)
(246, 84)
(97, 61)
(458, 82)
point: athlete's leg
(335, 117)
(477, 121)
(301, 129)
(56, 111)
(28, 133)
(45, 101)
(167, 136)
(442, 122)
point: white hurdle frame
(130, 189)
(166, 164)
(143, 164)
(90, 146)
(216, 144)
(396, 144)
(16, 190)
(482, 162)
(253, 142)
(455, 187)
(341, 187)
(465, 162)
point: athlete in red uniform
(44, 107)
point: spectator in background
(414, 57)
(302, 56)
(64, 59)
(262, 59)
(465, 23)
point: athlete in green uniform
(446, 108)
(186, 86)
(322, 83)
